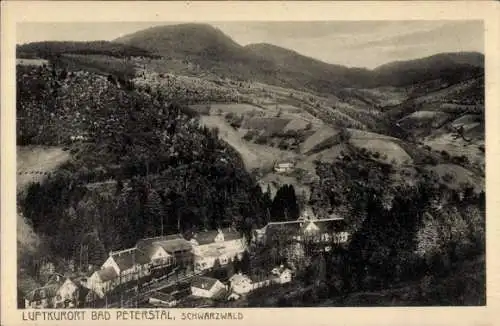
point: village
(171, 270)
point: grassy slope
(35, 162)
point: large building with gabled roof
(222, 245)
(167, 250)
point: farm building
(284, 167)
(58, 292)
(129, 264)
(103, 281)
(169, 249)
(207, 287)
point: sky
(351, 43)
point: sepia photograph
(255, 163)
(250, 164)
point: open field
(317, 138)
(455, 176)
(254, 156)
(388, 150)
(34, 163)
(32, 62)
(457, 147)
(237, 108)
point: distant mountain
(295, 64)
(212, 50)
(204, 45)
(447, 67)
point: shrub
(261, 140)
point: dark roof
(231, 234)
(107, 274)
(175, 245)
(291, 226)
(56, 278)
(149, 241)
(331, 225)
(149, 250)
(163, 296)
(125, 259)
(205, 237)
(203, 282)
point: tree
(285, 206)
(245, 263)
(154, 213)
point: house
(167, 250)
(240, 283)
(284, 167)
(222, 245)
(103, 281)
(307, 214)
(260, 281)
(284, 275)
(330, 230)
(67, 296)
(42, 297)
(233, 296)
(179, 248)
(162, 300)
(129, 264)
(45, 296)
(207, 287)
(157, 255)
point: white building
(284, 167)
(207, 287)
(222, 245)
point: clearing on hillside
(458, 146)
(454, 176)
(254, 156)
(317, 138)
(237, 108)
(34, 163)
(388, 151)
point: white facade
(160, 256)
(240, 284)
(208, 292)
(284, 167)
(100, 287)
(67, 291)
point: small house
(283, 274)
(207, 287)
(240, 283)
(162, 300)
(284, 167)
(67, 295)
(103, 281)
(129, 264)
(45, 296)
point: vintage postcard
(186, 162)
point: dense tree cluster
(146, 167)
(50, 49)
(399, 232)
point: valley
(180, 130)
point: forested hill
(139, 165)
